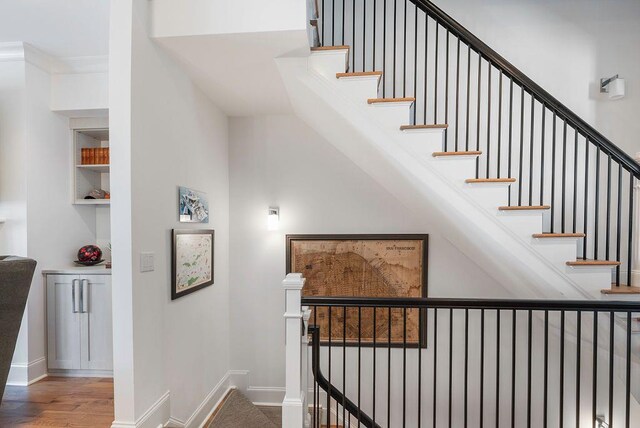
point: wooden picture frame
(400, 269)
(192, 261)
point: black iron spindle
(561, 400)
(594, 381)
(596, 223)
(630, 233)
(435, 366)
(529, 360)
(578, 360)
(586, 200)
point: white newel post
(294, 409)
(635, 266)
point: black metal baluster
(594, 382)
(457, 94)
(395, 33)
(426, 61)
(375, 9)
(488, 158)
(468, 97)
(478, 114)
(520, 166)
(575, 182)
(404, 66)
(323, 26)
(404, 367)
(375, 351)
(561, 400)
(466, 366)
(360, 361)
(619, 225)
(344, 362)
(510, 132)
(343, 18)
(531, 126)
(421, 313)
(333, 22)
(384, 47)
(498, 325)
(608, 238)
(630, 234)
(513, 367)
(500, 123)
(586, 199)
(329, 369)
(435, 84)
(389, 370)
(628, 378)
(446, 94)
(612, 326)
(435, 366)
(364, 35)
(596, 223)
(545, 411)
(578, 357)
(553, 173)
(314, 367)
(529, 360)
(415, 64)
(542, 141)
(481, 368)
(450, 366)
(564, 176)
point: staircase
(510, 176)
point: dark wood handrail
(529, 85)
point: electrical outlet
(147, 262)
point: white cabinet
(79, 322)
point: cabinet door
(97, 337)
(63, 321)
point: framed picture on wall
(192, 261)
(363, 266)
(193, 206)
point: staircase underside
(376, 134)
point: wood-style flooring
(59, 402)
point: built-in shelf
(95, 168)
(92, 201)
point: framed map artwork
(192, 261)
(363, 266)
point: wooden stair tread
(490, 180)
(593, 263)
(390, 100)
(622, 289)
(524, 208)
(436, 126)
(559, 235)
(359, 74)
(469, 153)
(329, 48)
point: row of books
(95, 156)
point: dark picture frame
(296, 239)
(191, 264)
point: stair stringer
(422, 188)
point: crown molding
(20, 51)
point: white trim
(11, 51)
(156, 416)
(266, 395)
(27, 374)
(81, 64)
(20, 51)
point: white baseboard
(156, 416)
(27, 374)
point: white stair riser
(434, 138)
(457, 168)
(328, 63)
(360, 88)
(592, 278)
(559, 251)
(522, 223)
(424, 147)
(489, 196)
(391, 115)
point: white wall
(280, 161)
(35, 196)
(169, 355)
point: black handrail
(492, 304)
(323, 383)
(532, 87)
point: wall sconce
(601, 422)
(273, 218)
(614, 86)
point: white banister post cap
(293, 281)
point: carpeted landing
(238, 412)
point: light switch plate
(147, 262)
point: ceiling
(60, 28)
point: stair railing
(557, 159)
(484, 363)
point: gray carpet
(238, 412)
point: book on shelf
(94, 156)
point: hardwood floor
(59, 402)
